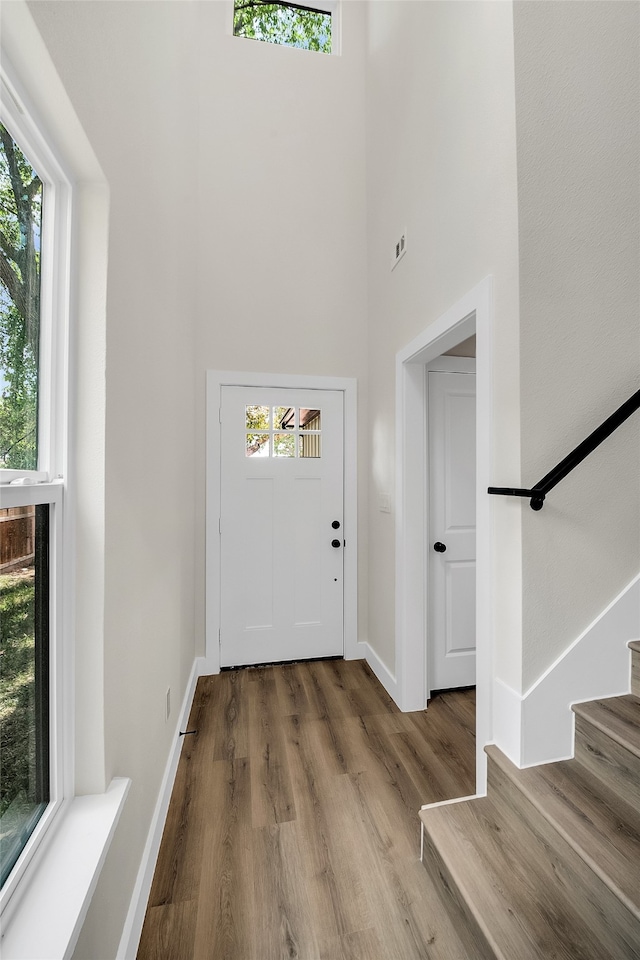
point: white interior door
(452, 530)
(281, 524)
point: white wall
(445, 82)
(246, 201)
(126, 67)
(578, 124)
(282, 256)
(237, 241)
(442, 164)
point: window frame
(49, 482)
(54, 286)
(329, 6)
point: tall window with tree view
(290, 24)
(24, 530)
(20, 230)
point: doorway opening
(471, 316)
(450, 516)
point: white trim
(132, 930)
(449, 803)
(32, 854)
(507, 720)
(53, 908)
(8, 477)
(30, 127)
(597, 664)
(472, 314)
(216, 380)
(380, 669)
(538, 726)
(44, 485)
(603, 623)
(452, 365)
(53, 434)
(54, 280)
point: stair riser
(456, 906)
(609, 919)
(507, 886)
(608, 760)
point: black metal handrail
(539, 490)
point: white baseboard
(450, 803)
(381, 671)
(208, 666)
(596, 665)
(132, 930)
(538, 726)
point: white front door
(281, 525)
(452, 530)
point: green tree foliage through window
(285, 23)
(20, 226)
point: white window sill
(47, 921)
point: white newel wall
(538, 726)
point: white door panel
(452, 499)
(460, 607)
(281, 490)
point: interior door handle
(336, 544)
(439, 547)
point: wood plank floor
(293, 829)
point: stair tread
(599, 825)
(510, 884)
(634, 645)
(618, 717)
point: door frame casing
(216, 380)
(472, 314)
(442, 364)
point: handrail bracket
(536, 497)
(538, 492)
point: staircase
(547, 865)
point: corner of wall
(507, 721)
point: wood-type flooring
(293, 829)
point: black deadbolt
(336, 524)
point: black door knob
(439, 547)
(336, 524)
(335, 543)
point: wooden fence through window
(17, 537)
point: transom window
(291, 24)
(282, 431)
